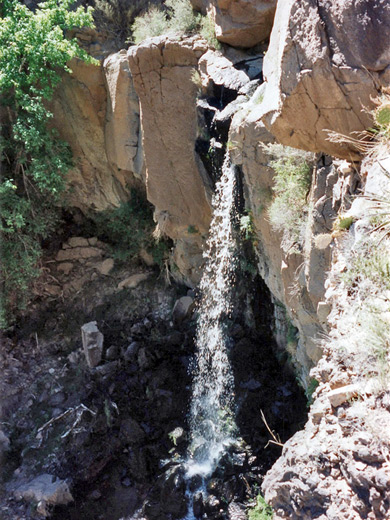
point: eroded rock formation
(240, 24)
(316, 79)
(163, 72)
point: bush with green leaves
(178, 16)
(34, 161)
(129, 228)
(289, 209)
(117, 16)
(152, 23)
(262, 511)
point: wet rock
(175, 339)
(212, 505)
(167, 499)
(182, 309)
(132, 351)
(251, 384)
(131, 432)
(138, 464)
(197, 506)
(4, 443)
(92, 343)
(112, 353)
(236, 512)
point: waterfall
(211, 419)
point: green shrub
(33, 52)
(129, 228)
(117, 16)
(177, 17)
(247, 227)
(152, 23)
(288, 210)
(183, 19)
(343, 223)
(311, 388)
(207, 30)
(262, 511)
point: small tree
(33, 52)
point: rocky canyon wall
(325, 64)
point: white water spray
(212, 422)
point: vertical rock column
(163, 71)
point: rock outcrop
(122, 128)
(79, 110)
(316, 79)
(96, 111)
(240, 24)
(338, 466)
(163, 71)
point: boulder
(131, 432)
(182, 309)
(218, 68)
(133, 281)
(92, 343)
(316, 80)
(163, 70)
(240, 23)
(106, 266)
(44, 490)
(338, 396)
(78, 253)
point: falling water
(211, 415)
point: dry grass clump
(373, 141)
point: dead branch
(276, 439)
(79, 410)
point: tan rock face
(122, 127)
(297, 280)
(79, 110)
(163, 70)
(242, 23)
(104, 146)
(316, 80)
